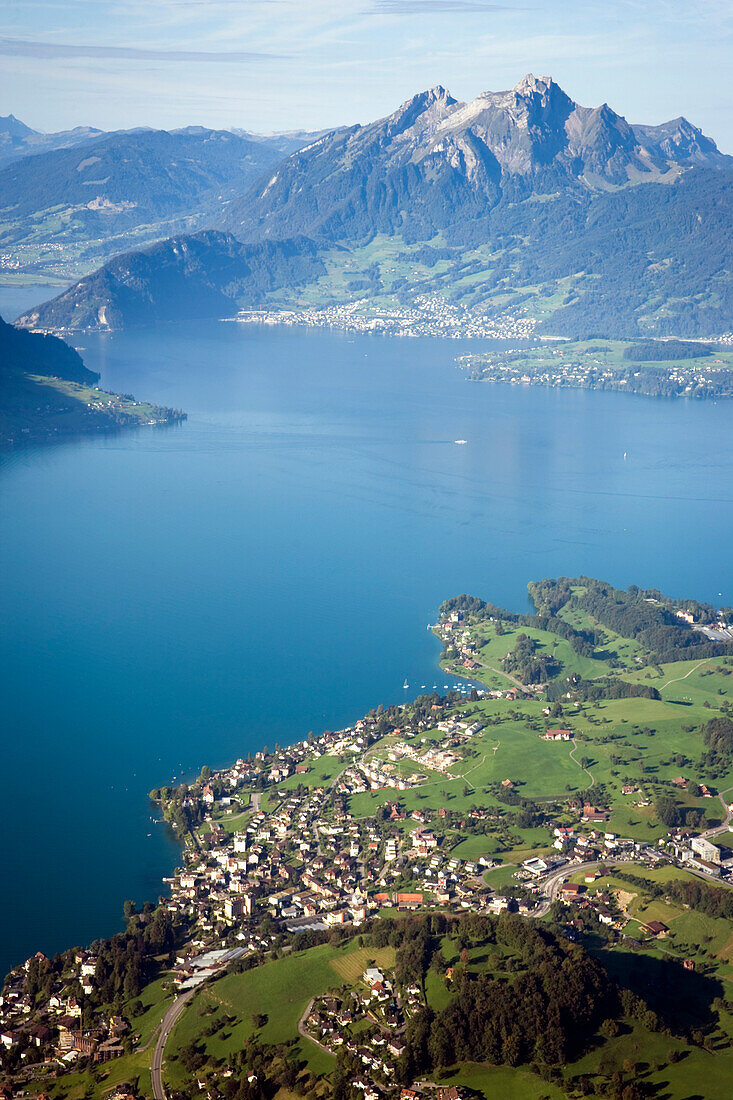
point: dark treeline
(657, 351)
(526, 662)
(545, 1012)
(544, 1009)
(653, 626)
(582, 641)
(591, 691)
(644, 615)
(713, 901)
(671, 814)
(718, 736)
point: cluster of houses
(51, 1032)
(312, 866)
(428, 315)
(546, 366)
(368, 1022)
(377, 776)
(452, 629)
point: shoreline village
(568, 791)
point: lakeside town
(429, 315)
(389, 816)
(603, 366)
(307, 865)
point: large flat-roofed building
(705, 849)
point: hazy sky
(282, 64)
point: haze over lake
(181, 596)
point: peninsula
(47, 393)
(518, 889)
(650, 368)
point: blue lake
(180, 596)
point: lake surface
(179, 596)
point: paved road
(167, 1024)
(726, 822)
(512, 679)
(552, 885)
(303, 1030)
(206, 970)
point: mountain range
(408, 171)
(85, 195)
(18, 140)
(521, 199)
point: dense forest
(718, 736)
(636, 613)
(648, 618)
(38, 353)
(541, 1004)
(526, 662)
(655, 351)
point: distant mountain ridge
(525, 199)
(18, 140)
(114, 191)
(153, 172)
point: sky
(266, 65)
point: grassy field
(155, 1001)
(321, 771)
(645, 743)
(501, 1082)
(697, 1074)
(279, 990)
(132, 1069)
(38, 406)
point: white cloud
(16, 47)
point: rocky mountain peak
(534, 85)
(428, 107)
(9, 124)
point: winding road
(166, 1026)
(303, 1030)
(506, 676)
(552, 885)
(586, 770)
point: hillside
(522, 889)
(521, 203)
(202, 275)
(46, 392)
(75, 206)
